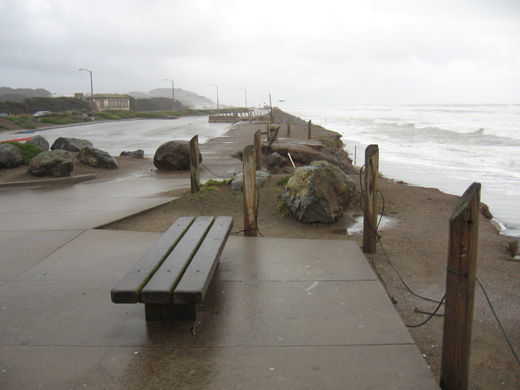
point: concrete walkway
(280, 313)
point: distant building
(109, 102)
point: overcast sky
(305, 52)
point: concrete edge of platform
(45, 182)
(138, 213)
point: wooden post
(258, 149)
(268, 131)
(460, 290)
(250, 197)
(194, 164)
(274, 136)
(370, 187)
(288, 128)
(309, 128)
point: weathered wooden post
(309, 130)
(274, 136)
(268, 131)
(288, 128)
(460, 290)
(250, 197)
(258, 149)
(370, 187)
(194, 164)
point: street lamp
(91, 85)
(216, 86)
(245, 95)
(173, 92)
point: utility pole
(216, 86)
(245, 96)
(173, 92)
(91, 89)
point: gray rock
(320, 192)
(39, 142)
(55, 163)
(96, 158)
(173, 156)
(261, 178)
(10, 156)
(139, 153)
(70, 144)
(276, 159)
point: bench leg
(170, 312)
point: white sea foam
(442, 146)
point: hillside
(186, 98)
(19, 94)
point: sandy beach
(414, 243)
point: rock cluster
(319, 192)
(59, 160)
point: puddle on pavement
(356, 227)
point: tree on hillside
(32, 105)
(155, 104)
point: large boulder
(39, 142)
(10, 156)
(261, 178)
(55, 163)
(139, 153)
(96, 158)
(320, 192)
(276, 159)
(173, 156)
(70, 144)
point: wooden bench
(172, 278)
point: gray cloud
(391, 51)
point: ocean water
(442, 146)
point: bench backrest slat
(159, 288)
(128, 288)
(197, 277)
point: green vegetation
(218, 183)
(284, 209)
(60, 119)
(22, 122)
(4, 127)
(215, 185)
(282, 182)
(108, 115)
(29, 151)
(122, 114)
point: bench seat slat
(197, 277)
(128, 288)
(159, 288)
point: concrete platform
(280, 313)
(82, 206)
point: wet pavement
(279, 314)
(148, 135)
